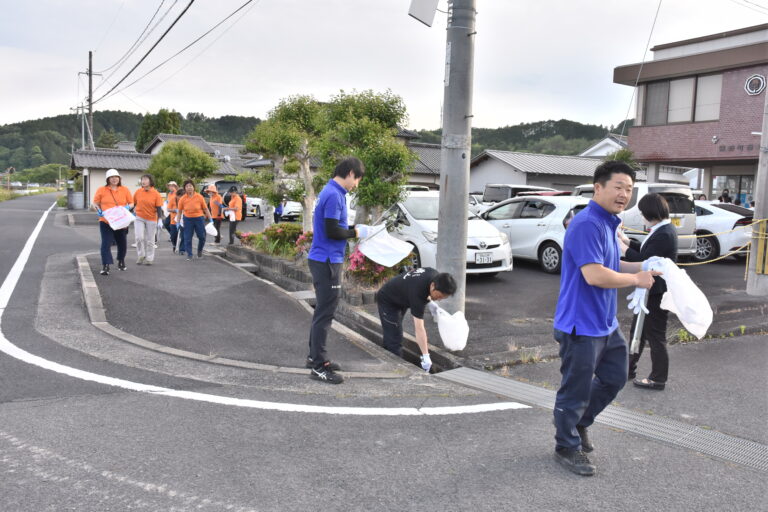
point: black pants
(392, 327)
(109, 235)
(217, 225)
(326, 278)
(655, 334)
(277, 217)
(232, 229)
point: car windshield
(678, 203)
(427, 208)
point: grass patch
(61, 201)
(6, 194)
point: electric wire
(148, 51)
(186, 47)
(138, 39)
(637, 80)
(201, 52)
(122, 4)
(758, 8)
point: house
(699, 104)
(611, 143)
(426, 169)
(555, 171)
(94, 164)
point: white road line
(9, 285)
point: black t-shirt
(409, 290)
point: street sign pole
(757, 284)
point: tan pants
(145, 238)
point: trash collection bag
(118, 217)
(686, 300)
(453, 328)
(384, 249)
(210, 229)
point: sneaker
(155, 245)
(133, 244)
(200, 254)
(104, 270)
(334, 367)
(586, 444)
(189, 259)
(121, 265)
(140, 261)
(325, 374)
(148, 262)
(575, 461)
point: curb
(98, 318)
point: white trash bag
(685, 299)
(210, 229)
(454, 329)
(118, 217)
(384, 249)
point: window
(708, 92)
(683, 100)
(700, 212)
(680, 100)
(507, 211)
(536, 209)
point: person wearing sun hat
(112, 194)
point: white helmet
(112, 172)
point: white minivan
(414, 220)
(681, 212)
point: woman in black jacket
(662, 242)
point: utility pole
(757, 284)
(90, 100)
(456, 145)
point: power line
(132, 51)
(122, 4)
(138, 39)
(201, 52)
(148, 51)
(750, 7)
(637, 80)
(188, 46)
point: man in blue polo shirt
(593, 351)
(326, 257)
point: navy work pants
(392, 327)
(326, 278)
(194, 225)
(593, 369)
(109, 235)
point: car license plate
(483, 257)
(676, 221)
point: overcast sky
(534, 59)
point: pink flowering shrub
(369, 273)
(303, 243)
(277, 239)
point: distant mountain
(49, 140)
(561, 137)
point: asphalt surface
(68, 444)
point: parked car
(535, 226)
(222, 187)
(544, 193)
(292, 211)
(681, 211)
(476, 204)
(255, 207)
(727, 222)
(414, 220)
(498, 192)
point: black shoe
(121, 264)
(199, 254)
(586, 444)
(649, 384)
(325, 374)
(575, 461)
(334, 367)
(104, 270)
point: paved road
(71, 444)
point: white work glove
(159, 223)
(433, 309)
(426, 362)
(654, 263)
(363, 231)
(637, 300)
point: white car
(292, 211)
(414, 220)
(727, 222)
(254, 207)
(681, 212)
(535, 226)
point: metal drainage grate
(709, 442)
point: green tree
(36, 158)
(107, 139)
(294, 126)
(623, 155)
(164, 121)
(47, 173)
(179, 161)
(18, 158)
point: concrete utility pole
(456, 146)
(757, 284)
(90, 100)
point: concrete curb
(98, 319)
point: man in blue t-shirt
(593, 352)
(326, 257)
